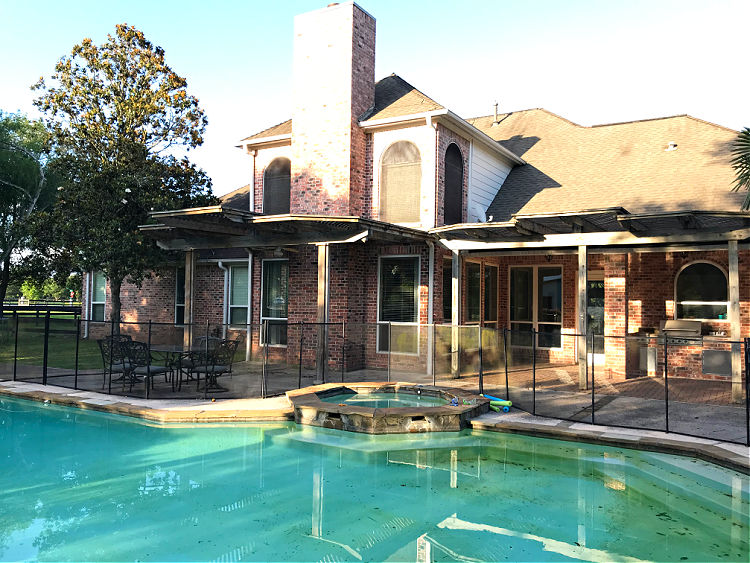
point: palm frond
(741, 164)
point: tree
(27, 185)
(741, 164)
(122, 122)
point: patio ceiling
(222, 227)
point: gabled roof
(283, 128)
(669, 164)
(237, 199)
(395, 97)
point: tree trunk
(114, 316)
(4, 279)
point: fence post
(593, 371)
(301, 343)
(15, 350)
(747, 392)
(533, 371)
(343, 350)
(388, 373)
(148, 361)
(46, 349)
(481, 362)
(78, 342)
(205, 377)
(111, 350)
(434, 377)
(666, 383)
(505, 360)
(264, 382)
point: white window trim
(417, 291)
(535, 302)
(91, 298)
(231, 266)
(261, 340)
(676, 303)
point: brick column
(615, 313)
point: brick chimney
(333, 84)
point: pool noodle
(501, 403)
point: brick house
(376, 204)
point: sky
(592, 62)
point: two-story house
(377, 207)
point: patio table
(174, 354)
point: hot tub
(386, 408)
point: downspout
(430, 293)
(225, 304)
(249, 328)
(251, 190)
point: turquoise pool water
(77, 486)
(385, 400)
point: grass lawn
(61, 344)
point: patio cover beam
(734, 321)
(583, 318)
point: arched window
(400, 182)
(276, 186)
(454, 186)
(701, 292)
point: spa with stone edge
(386, 408)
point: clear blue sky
(590, 61)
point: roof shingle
(573, 168)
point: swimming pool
(385, 400)
(76, 485)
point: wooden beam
(189, 314)
(584, 225)
(621, 238)
(583, 317)
(324, 265)
(689, 221)
(455, 313)
(734, 321)
(534, 228)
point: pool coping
(727, 454)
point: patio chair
(142, 365)
(114, 358)
(218, 362)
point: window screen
(277, 186)
(473, 289)
(701, 292)
(98, 296)
(238, 280)
(454, 186)
(274, 300)
(400, 182)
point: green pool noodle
(501, 404)
(494, 408)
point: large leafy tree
(27, 185)
(123, 122)
(741, 163)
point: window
(536, 304)
(179, 297)
(490, 296)
(238, 281)
(98, 296)
(277, 182)
(400, 183)
(273, 303)
(447, 291)
(454, 186)
(701, 292)
(398, 296)
(473, 291)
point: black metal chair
(114, 357)
(139, 355)
(217, 362)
